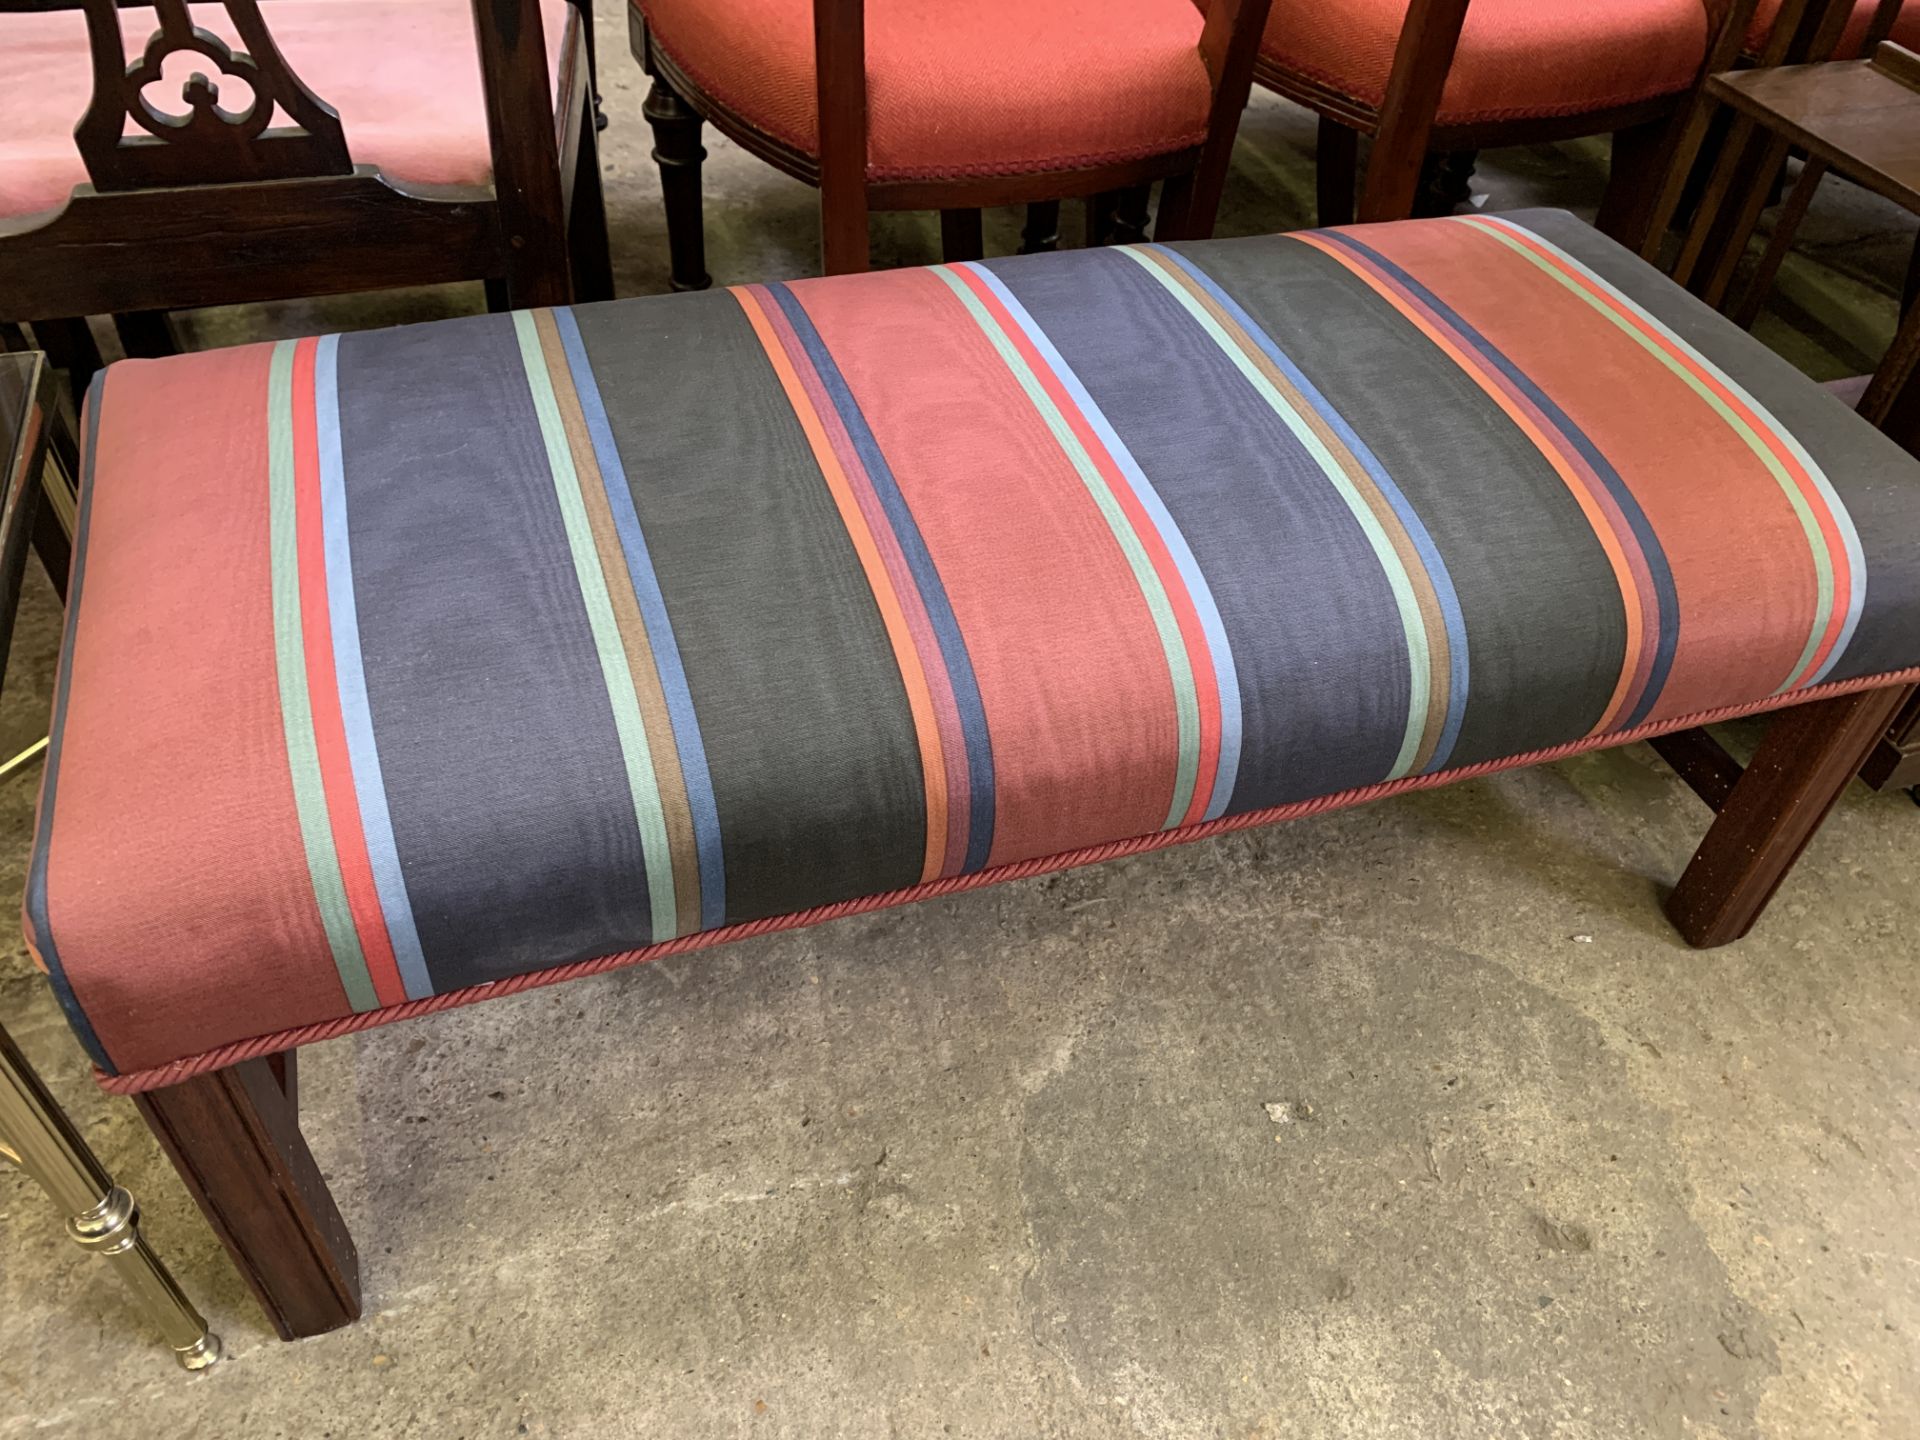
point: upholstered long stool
(408, 668)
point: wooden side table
(34, 1134)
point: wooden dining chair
(996, 102)
(1901, 25)
(167, 157)
(1431, 77)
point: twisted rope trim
(174, 1071)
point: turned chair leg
(1119, 217)
(587, 249)
(678, 153)
(962, 236)
(1766, 820)
(37, 1136)
(234, 1136)
(1336, 172)
(1041, 234)
(1128, 215)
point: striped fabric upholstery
(414, 661)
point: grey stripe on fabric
(511, 816)
(1545, 622)
(809, 738)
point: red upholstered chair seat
(1906, 28)
(403, 74)
(1516, 58)
(990, 87)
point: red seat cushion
(1906, 28)
(403, 74)
(991, 87)
(1517, 58)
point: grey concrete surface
(1410, 1121)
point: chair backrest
(277, 176)
(203, 143)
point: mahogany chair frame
(1406, 130)
(217, 208)
(1190, 197)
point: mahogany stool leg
(1803, 766)
(234, 1136)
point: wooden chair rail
(227, 245)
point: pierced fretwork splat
(206, 143)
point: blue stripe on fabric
(36, 902)
(350, 678)
(1666, 598)
(1226, 677)
(1436, 567)
(653, 613)
(953, 648)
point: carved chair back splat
(243, 186)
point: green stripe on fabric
(1186, 700)
(296, 704)
(642, 780)
(1816, 542)
(1412, 624)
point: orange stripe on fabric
(1816, 502)
(323, 694)
(1638, 654)
(906, 656)
(1192, 635)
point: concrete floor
(1410, 1121)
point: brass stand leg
(104, 1218)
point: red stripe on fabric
(180, 502)
(913, 608)
(132, 1082)
(1071, 673)
(323, 692)
(1193, 636)
(1603, 512)
(1731, 538)
(1770, 437)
